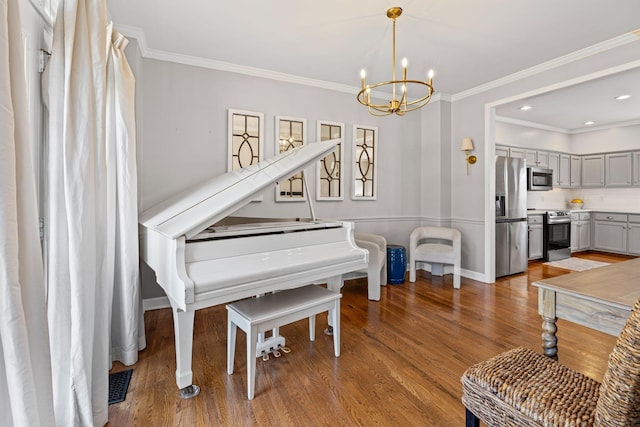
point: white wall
(529, 137)
(613, 139)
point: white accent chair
(436, 246)
(377, 268)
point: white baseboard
(473, 275)
(155, 303)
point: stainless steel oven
(556, 235)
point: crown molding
(531, 124)
(604, 46)
(562, 130)
(196, 61)
(605, 127)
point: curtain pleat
(127, 321)
(25, 372)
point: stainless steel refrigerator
(511, 216)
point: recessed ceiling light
(590, 122)
(621, 97)
(525, 107)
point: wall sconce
(466, 146)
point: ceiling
(467, 42)
(567, 109)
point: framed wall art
(330, 170)
(290, 133)
(245, 140)
(365, 165)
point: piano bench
(261, 314)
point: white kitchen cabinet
(580, 231)
(592, 171)
(564, 176)
(633, 234)
(502, 150)
(537, 158)
(610, 232)
(618, 169)
(534, 227)
(636, 168)
(575, 174)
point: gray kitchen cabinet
(575, 174)
(537, 158)
(618, 169)
(502, 150)
(633, 234)
(534, 227)
(564, 179)
(543, 159)
(636, 168)
(592, 171)
(516, 152)
(554, 165)
(580, 231)
(610, 232)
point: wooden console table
(600, 298)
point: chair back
(437, 233)
(619, 401)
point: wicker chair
(523, 388)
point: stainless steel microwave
(539, 179)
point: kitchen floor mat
(576, 264)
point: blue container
(396, 264)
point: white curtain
(91, 255)
(127, 322)
(25, 372)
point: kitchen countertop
(544, 211)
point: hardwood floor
(401, 361)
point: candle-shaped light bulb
(430, 76)
(404, 88)
(368, 95)
(363, 74)
(404, 68)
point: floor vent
(118, 386)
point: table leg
(549, 338)
(547, 310)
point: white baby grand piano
(203, 257)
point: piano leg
(334, 284)
(183, 331)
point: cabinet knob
(609, 217)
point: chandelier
(401, 105)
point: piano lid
(190, 212)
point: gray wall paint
(471, 198)
(422, 171)
(184, 141)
